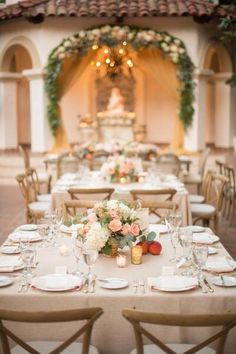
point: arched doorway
(15, 60)
(218, 118)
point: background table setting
(94, 179)
(60, 274)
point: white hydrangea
(106, 29)
(96, 237)
(112, 204)
(81, 34)
(67, 44)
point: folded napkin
(9, 265)
(220, 264)
(70, 229)
(205, 238)
(171, 282)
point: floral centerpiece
(111, 225)
(120, 169)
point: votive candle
(121, 260)
(136, 254)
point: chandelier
(113, 61)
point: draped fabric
(164, 73)
(72, 70)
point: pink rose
(115, 225)
(125, 229)
(134, 228)
(113, 214)
(92, 217)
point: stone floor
(12, 207)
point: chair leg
(49, 185)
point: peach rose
(134, 228)
(115, 225)
(125, 229)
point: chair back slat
(89, 314)
(98, 193)
(71, 208)
(225, 321)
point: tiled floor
(12, 211)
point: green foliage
(81, 43)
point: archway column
(41, 138)
(195, 136)
(8, 111)
(223, 110)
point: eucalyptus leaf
(151, 236)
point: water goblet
(43, 230)
(200, 254)
(28, 258)
(186, 242)
(90, 257)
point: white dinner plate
(10, 249)
(225, 281)
(24, 236)
(160, 228)
(113, 283)
(172, 283)
(28, 227)
(194, 228)
(205, 239)
(8, 265)
(57, 282)
(4, 281)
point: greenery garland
(79, 44)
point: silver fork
(142, 285)
(135, 286)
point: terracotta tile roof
(36, 10)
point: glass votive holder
(121, 260)
(136, 254)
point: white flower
(81, 34)
(173, 48)
(61, 56)
(125, 211)
(96, 237)
(158, 37)
(167, 39)
(181, 50)
(73, 39)
(61, 49)
(177, 41)
(96, 32)
(112, 204)
(130, 36)
(67, 44)
(105, 29)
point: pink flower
(115, 225)
(113, 214)
(134, 228)
(92, 217)
(125, 229)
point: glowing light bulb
(121, 51)
(108, 60)
(98, 64)
(124, 43)
(94, 47)
(106, 51)
(112, 64)
(130, 63)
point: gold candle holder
(136, 254)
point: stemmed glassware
(28, 257)
(173, 222)
(43, 230)
(174, 237)
(200, 254)
(90, 258)
(77, 250)
(186, 241)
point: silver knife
(210, 288)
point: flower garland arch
(79, 44)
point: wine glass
(43, 230)
(174, 237)
(186, 241)
(200, 254)
(77, 250)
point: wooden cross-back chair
(210, 210)
(90, 315)
(229, 193)
(71, 207)
(34, 209)
(100, 193)
(201, 198)
(169, 163)
(139, 319)
(33, 182)
(67, 162)
(156, 200)
(44, 178)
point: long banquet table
(112, 333)
(92, 180)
